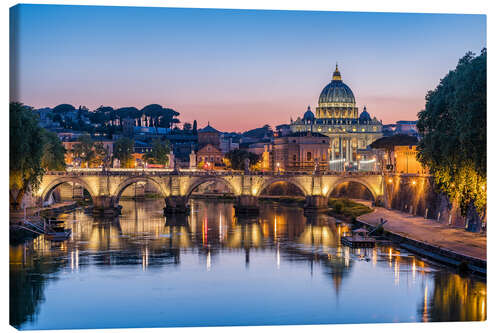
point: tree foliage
(159, 153)
(63, 108)
(453, 125)
(123, 150)
(26, 151)
(84, 150)
(53, 153)
(237, 158)
(101, 154)
(259, 132)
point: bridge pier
(316, 203)
(176, 204)
(105, 206)
(246, 205)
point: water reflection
(280, 247)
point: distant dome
(336, 93)
(364, 116)
(208, 129)
(308, 115)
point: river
(213, 269)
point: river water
(212, 269)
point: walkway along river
(211, 268)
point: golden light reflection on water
(214, 230)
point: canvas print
(174, 167)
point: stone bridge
(106, 187)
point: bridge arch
(272, 181)
(202, 180)
(361, 181)
(132, 180)
(49, 189)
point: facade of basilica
(350, 134)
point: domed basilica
(337, 117)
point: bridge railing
(197, 172)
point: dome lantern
(336, 75)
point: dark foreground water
(142, 270)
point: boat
(359, 239)
(54, 230)
(58, 234)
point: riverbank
(429, 238)
(16, 217)
(18, 234)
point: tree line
(107, 120)
(453, 125)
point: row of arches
(273, 187)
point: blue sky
(238, 69)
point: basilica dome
(336, 93)
(308, 115)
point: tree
(160, 116)
(54, 152)
(454, 133)
(187, 127)
(126, 112)
(237, 159)
(153, 112)
(259, 132)
(159, 153)
(195, 127)
(84, 150)
(26, 151)
(101, 154)
(123, 150)
(63, 108)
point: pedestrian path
(429, 232)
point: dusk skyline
(221, 65)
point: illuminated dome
(337, 100)
(336, 93)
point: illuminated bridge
(106, 187)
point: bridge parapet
(106, 186)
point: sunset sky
(238, 69)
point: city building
(407, 127)
(209, 155)
(398, 153)
(69, 142)
(283, 130)
(388, 129)
(406, 161)
(337, 117)
(300, 151)
(209, 135)
(228, 142)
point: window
(309, 156)
(294, 157)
